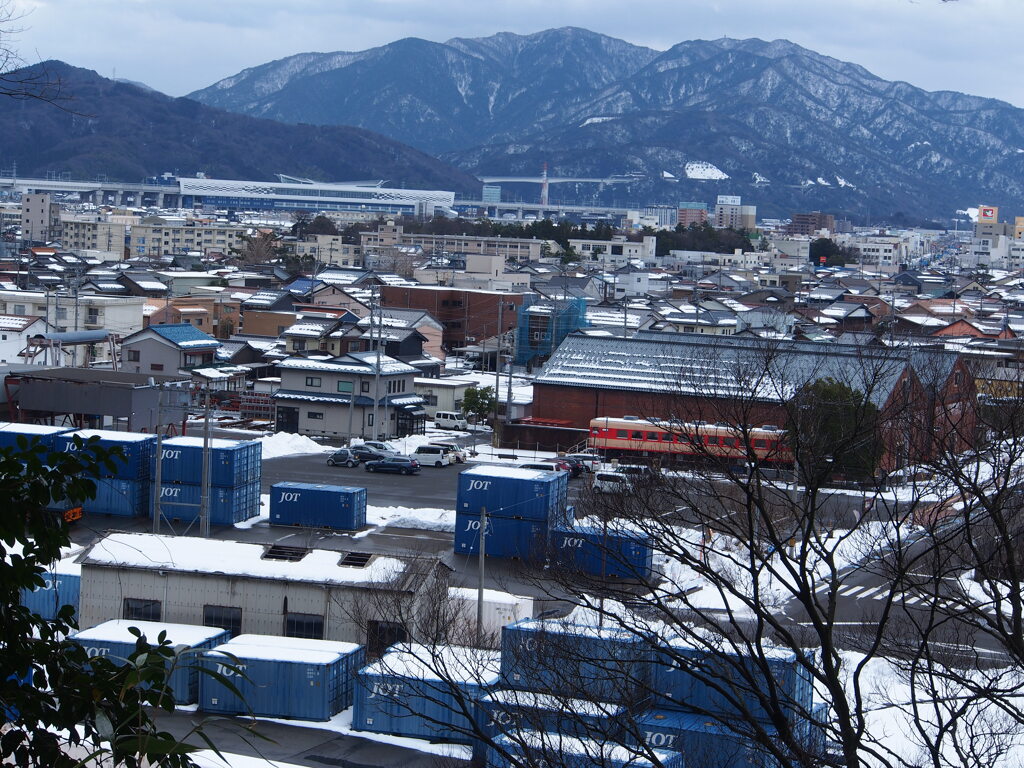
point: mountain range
(783, 126)
(127, 132)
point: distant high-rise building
(809, 223)
(729, 212)
(692, 213)
(1018, 228)
(988, 224)
(666, 216)
(40, 218)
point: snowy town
(398, 497)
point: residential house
(168, 349)
(359, 394)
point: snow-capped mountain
(773, 121)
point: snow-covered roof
(449, 663)
(116, 631)
(232, 558)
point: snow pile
(424, 518)
(262, 517)
(288, 444)
(759, 179)
(844, 183)
(823, 182)
(704, 171)
(593, 120)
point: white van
(610, 482)
(450, 420)
(435, 455)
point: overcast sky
(178, 46)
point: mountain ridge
(823, 133)
(125, 132)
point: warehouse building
(287, 591)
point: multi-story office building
(330, 250)
(93, 233)
(810, 223)
(692, 213)
(730, 212)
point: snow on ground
(700, 169)
(424, 518)
(342, 723)
(209, 759)
(288, 444)
(262, 517)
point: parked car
(544, 466)
(457, 453)
(381, 446)
(437, 455)
(366, 453)
(575, 466)
(591, 461)
(342, 456)
(611, 482)
(404, 465)
(450, 420)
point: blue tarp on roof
(184, 334)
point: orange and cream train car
(669, 441)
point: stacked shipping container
(522, 506)
(126, 490)
(41, 434)
(235, 470)
(61, 586)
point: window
(156, 366)
(638, 435)
(430, 399)
(315, 415)
(141, 610)
(19, 309)
(621, 433)
(299, 345)
(223, 616)
(652, 435)
(345, 386)
(364, 386)
(312, 381)
(308, 625)
(134, 355)
(369, 419)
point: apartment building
(40, 217)
(329, 250)
(94, 233)
(155, 236)
(392, 235)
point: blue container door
(215, 697)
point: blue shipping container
(123, 498)
(306, 680)
(506, 537)
(32, 433)
(705, 743)
(227, 505)
(139, 451)
(318, 506)
(534, 748)
(598, 552)
(9, 714)
(59, 589)
(401, 694)
(530, 494)
(721, 685)
(113, 641)
(233, 463)
(586, 662)
(514, 710)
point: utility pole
(376, 375)
(480, 583)
(204, 487)
(497, 357)
(158, 470)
